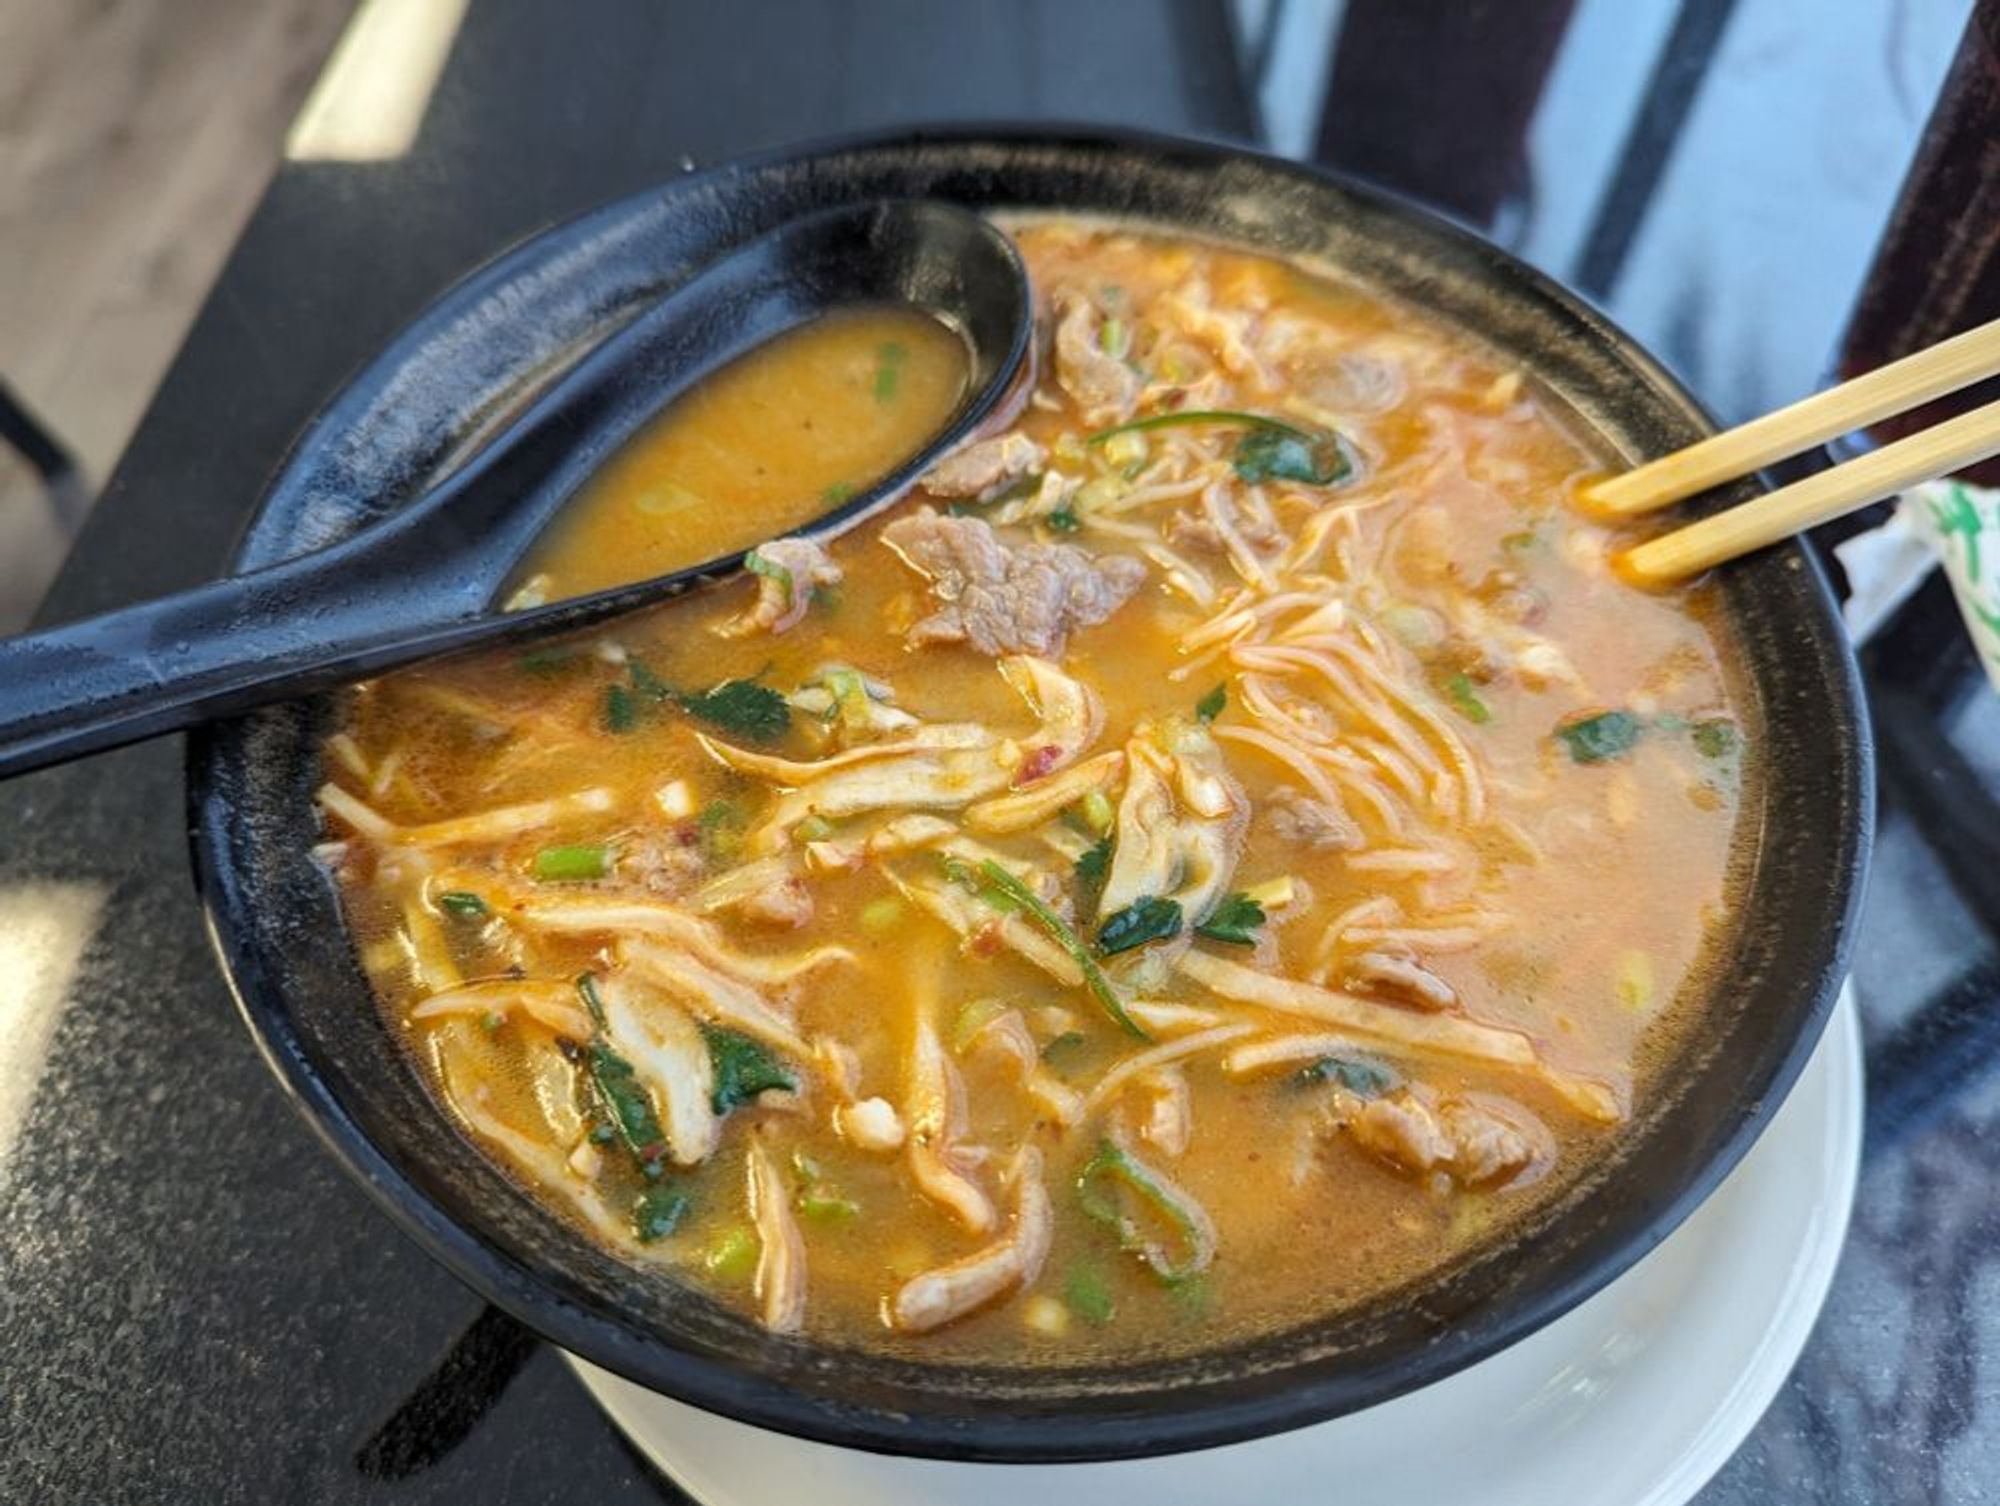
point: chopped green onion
(973, 1018)
(491, 1021)
(838, 493)
(756, 564)
(586, 987)
(1114, 1167)
(1064, 520)
(888, 370)
(1458, 690)
(462, 903)
(621, 712)
(1058, 930)
(1098, 814)
(1210, 706)
(881, 916)
(576, 863)
(1713, 738)
(1089, 1294)
(1235, 921)
(1145, 920)
(814, 829)
(732, 1256)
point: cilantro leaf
(1144, 920)
(743, 707)
(626, 1102)
(1600, 738)
(1094, 864)
(1270, 453)
(743, 1068)
(1235, 921)
(1361, 1075)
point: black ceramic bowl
(475, 353)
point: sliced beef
(1416, 1131)
(1006, 599)
(1305, 822)
(1104, 387)
(985, 469)
(784, 590)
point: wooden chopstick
(1882, 393)
(1956, 443)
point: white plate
(1643, 1391)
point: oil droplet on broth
(762, 447)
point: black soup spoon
(421, 582)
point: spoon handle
(216, 650)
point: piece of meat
(667, 863)
(1300, 819)
(787, 903)
(780, 1282)
(1400, 975)
(938, 1296)
(1003, 599)
(1486, 1147)
(985, 468)
(1103, 386)
(1414, 1131)
(870, 1124)
(793, 568)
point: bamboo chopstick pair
(1884, 393)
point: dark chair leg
(62, 480)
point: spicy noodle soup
(1225, 846)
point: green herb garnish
(1713, 738)
(1458, 690)
(1360, 1075)
(756, 564)
(1210, 706)
(462, 903)
(1058, 930)
(1089, 1294)
(743, 707)
(1098, 1186)
(1235, 921)
(547, 661)
(838, 493)
(888, 370)
(1278, 455)
(743, 1068)
(1144, 920)
(621, 710)
(576, 863)
(1272, 450)
(1064, 520)
(719, 829)
(658, 1212)
(626, 1102)
(1093, 865)
(1597, 739)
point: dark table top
(195, 1305)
